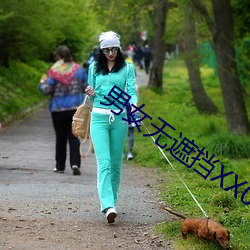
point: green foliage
(19, 87)
(27, 33)
(175, 25)
(210, 129)
(176, 18)
(243, 59)
(170, 230)
(230, 146)
(224, 200)
(241, 17)
(128, 18)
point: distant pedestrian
(147, 54)
(65, 84)
(93, 55)
(109, 131)
(138, 56)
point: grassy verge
(175, 106)
(19, 88)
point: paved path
(141, 78)
(26, 163)
(31, 193)
(27, 160)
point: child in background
(131, 126)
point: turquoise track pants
(108, 139)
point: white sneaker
(111, 214)
(58, 171)
(76, 170)
(129, 156)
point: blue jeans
(108, 139)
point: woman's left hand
(90, 91)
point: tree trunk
(201, 99)
(233, 98)
(159, 46)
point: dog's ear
(214, 235)
(228, 237)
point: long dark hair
(102, 67)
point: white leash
(177, 173)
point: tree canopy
(28, 33)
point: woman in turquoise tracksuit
(109, 131)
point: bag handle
(85, 99)
(91, 148)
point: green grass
(175, 106)
(230, 146)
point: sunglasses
(106, 51)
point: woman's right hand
(90, 91)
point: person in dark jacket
(147, 54)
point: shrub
(231, 146)
(224, 200)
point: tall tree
(223, 38)
(202, 101)
(159, 44)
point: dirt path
(43, 210)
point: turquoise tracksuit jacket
(102, 84)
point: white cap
(109, 39)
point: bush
(230, 146)
(223, 200)
(19, 88)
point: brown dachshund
(204, 228)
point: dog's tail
(175, 213)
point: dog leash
(198, 204)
